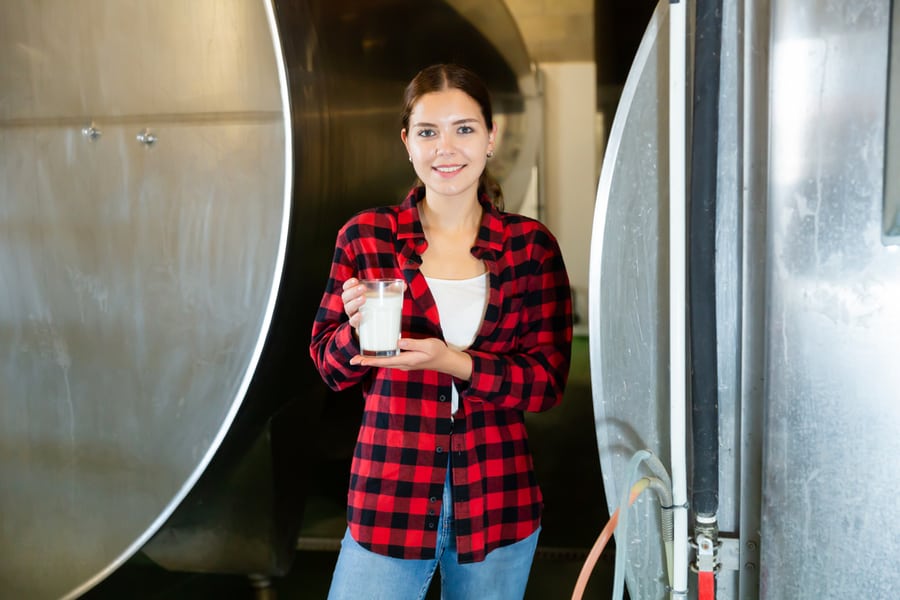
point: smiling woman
(486, 337)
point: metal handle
(146, 137)
(890, 210)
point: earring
(410, 158)
(490, 154)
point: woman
(442, 473)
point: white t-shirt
(461, 304)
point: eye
(425, 133)
(466, 129)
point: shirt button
(430, 513)
(440, 449)
(430, 525)
(442, 398)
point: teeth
(448, 169)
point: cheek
(420, 164)
(418, 159)
(418, 152)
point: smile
(452, 169)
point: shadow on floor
(552, 577)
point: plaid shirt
(520, 362)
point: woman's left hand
(429, 353)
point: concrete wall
(570, 166)
(559, 35)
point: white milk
(379, 329)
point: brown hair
(441, 77)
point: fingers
(353, 296)
(426, 346)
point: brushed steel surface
(627, 307)
(830, 518)
(66, 60)
(139, 280)
(753, 176)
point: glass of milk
(379, 328)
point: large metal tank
(807, 302)
(172, 176)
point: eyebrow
(459, 122)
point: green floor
(565, 454)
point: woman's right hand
(353, 297)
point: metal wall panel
(830, 515)
(138, 277)
(628, 302)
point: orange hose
(594, 555)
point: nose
(444, 147)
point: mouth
(448, 169)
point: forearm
(456, 363)
(530, 382)
(331, 348)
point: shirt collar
(490, 234)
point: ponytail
(491, 187)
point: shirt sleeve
(333, 342)
(533, 377)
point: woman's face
(448, 142)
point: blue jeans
(364, 575)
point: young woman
(442, 474)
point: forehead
(446, 105)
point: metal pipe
(677, 290)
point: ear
(492, 137)
(403, 138)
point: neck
(450, 214)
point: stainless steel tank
(807, 302)
(172, 177)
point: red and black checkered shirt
(520, 362)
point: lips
(448, 169)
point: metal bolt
(751, 545)
(91, 132)
(750, 566)
(146, 137)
